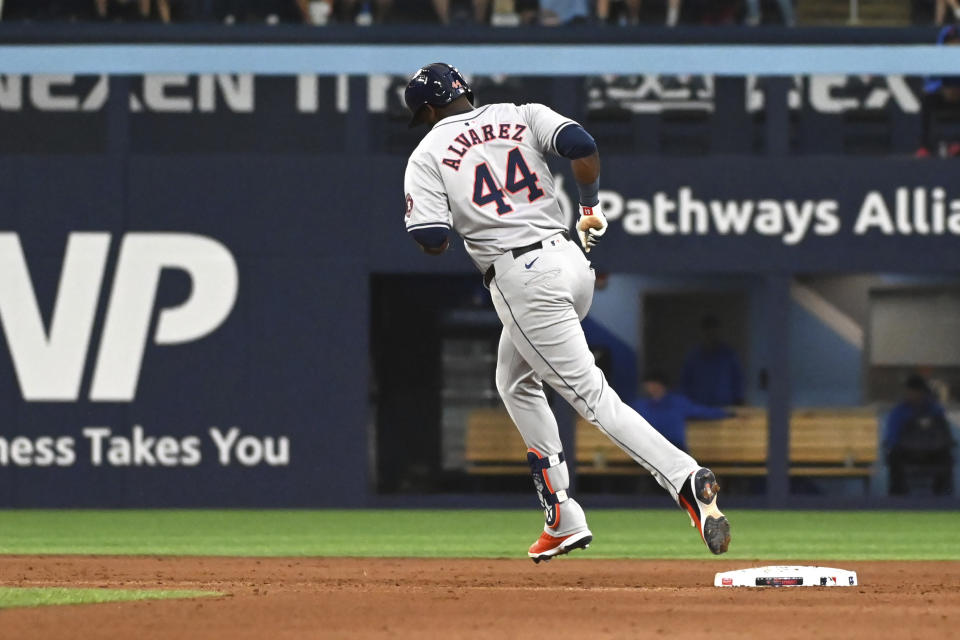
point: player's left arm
(573, 142)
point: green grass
(42, 596)
(783, 535)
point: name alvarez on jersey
(475, 139)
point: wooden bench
(823, 442)
(493, 444)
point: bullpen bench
(823, 443)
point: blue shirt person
(907, 412)
(668, 412)
(917, 437)
(711, 372)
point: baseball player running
(483, 173)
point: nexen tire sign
(49, 362)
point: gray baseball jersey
(484, 173)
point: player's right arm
(427, 211)
(564, 137)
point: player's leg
(547, 334)
(541, 315)
(442, 7)
(673, 12)
(786, 11)
(522, 392)
(565, 526)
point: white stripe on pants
(541, 308)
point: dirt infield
(280, 598)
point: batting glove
(591, 225)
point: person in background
(379, 11)
(786, 12)
(630, 15)
(711, 372)
(558, 13)
(940, 93)
(124, 9)
(673, 12)
(272, 11)
(509, 13)
(940, 12)
(668, 412)
(315, 12)
(917, 436)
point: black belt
(519, 251)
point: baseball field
(463, 574)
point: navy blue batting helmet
(436, 84)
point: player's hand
(591, 226)
(435, 251)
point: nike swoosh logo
(530, 264)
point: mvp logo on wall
(49, 359)
(49, 362)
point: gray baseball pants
(541, 297)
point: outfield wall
(259, 318)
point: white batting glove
(591, 225)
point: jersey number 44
(519, 178)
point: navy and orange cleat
(699, 497)
(548, 546)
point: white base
(786, 577)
